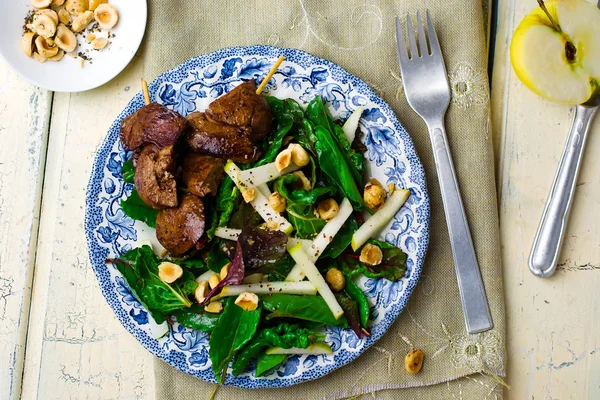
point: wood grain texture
(76, 348)
(553, 324)
(24, 113)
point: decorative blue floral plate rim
(192, 86)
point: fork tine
(433, 40)
(402, 54)
(411, 38)
(422, 40)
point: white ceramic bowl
(67, 75)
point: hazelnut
(304, 183)
(201, 291)
(391, 188)
(371, 255)
(335, 279)
(169, 272)
(283, 160)
(413, 361)
(214, 307)
(249, 195)
(328, 209)
(247, 301)
(277, 202)
(374, 195)
(299, 156)
(213, 281)
(224, 271)
(272, 225)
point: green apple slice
(559, 61)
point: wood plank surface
(76, 348)
(24, 113)
(553, 324)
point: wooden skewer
(270, 75)
(145, 90)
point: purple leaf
(262, 247)
(351, 312)
(235, 276)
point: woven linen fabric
(359, 36)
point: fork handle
(550, 233)
(472, 292)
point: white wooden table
(59, 339)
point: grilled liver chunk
(154, 124)
(179, 228)
(154, 178)
(220, 140)
(201, 173)
(243, 108)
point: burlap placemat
(359, 36)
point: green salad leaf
(135, 208)
(310, 308)
(233, 330)
(128, 171)
(304, 221)
(350, 312)
(228, 199)
(285, 187)
(284, 335)
(334, 165)
(280, 270)
(196, 318)
(139, 267)
(392, 267)
(342, 239)
(361, 300)
(268, 362)
(318, 114)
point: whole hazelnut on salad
(277, 202)
(371, 255)
(335, 279)
(328, 209)
(374, 195)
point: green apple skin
(539, 58)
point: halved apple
(555, 50)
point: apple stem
(554, 24)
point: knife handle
(550, 233)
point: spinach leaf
(350, 312)
(282, 335)
(227, 200)
(284, 113)
(284, 186)
(310, 308)
(334, 165)
(305, 135)
(245, 216)
(235, 276)
(217, 258)
(262, 247)
(212, 218)
(342, 239)
(280, 270)
(135, 208)
(233, 330)
(320, 116)
(304, 221)
(392, 267)
(139, 267)
(356, 294)
(128, 171)
(196, 318)
(268, 362)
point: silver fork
(428, 93)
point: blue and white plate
(192, 86)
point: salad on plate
(265, 222)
